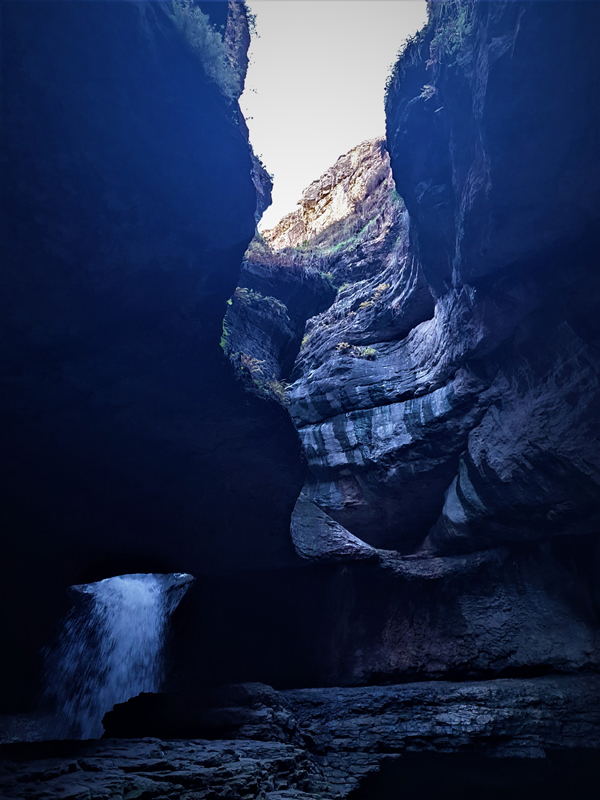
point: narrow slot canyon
(299, 505)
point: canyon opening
(366, 420)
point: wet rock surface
(332, 742)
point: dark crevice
(465, 776)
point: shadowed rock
(372, 740)
(319, 538)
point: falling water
(111, 647)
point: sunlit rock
(338, 195)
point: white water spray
(111, 647)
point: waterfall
(110, 647)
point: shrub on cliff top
(208, 45)
(408, 56)
(454, 26)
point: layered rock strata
(447, 396)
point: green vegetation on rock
(453, 29)
(207, 43)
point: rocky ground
(315, 743)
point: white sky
(316, 81)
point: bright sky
(316, 81)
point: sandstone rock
(502, 210)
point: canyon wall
(447, 396)
(426, 324)
(503, 195)
(128, 203)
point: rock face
(447, 396)
(503, 200)
(128, 202)
(436, 347)
(358, 221)
(345, 191)
(474, 423)
(317, 536)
